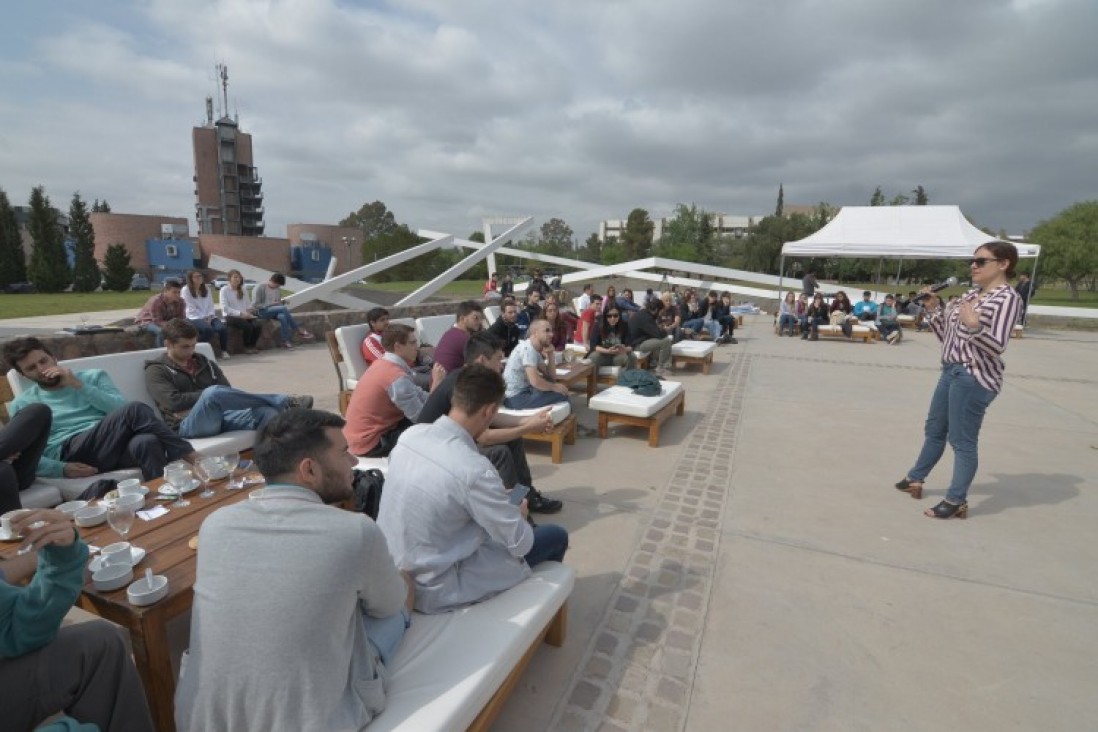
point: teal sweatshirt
(31, 615)
(74, 411)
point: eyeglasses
(981, 261)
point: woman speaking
(974, 332)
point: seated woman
(841, 303)
(198, 300)
(236, 306)
(725, 318)
(693, 314)
(608, 342)
(818, 314)
(562, 333)
(787, 314)
(802, 311)
(670, 318)
(611, 297)
(887, 322)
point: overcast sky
(448, 111)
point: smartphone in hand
(518, 493)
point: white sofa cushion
(511, 417)
(450, 665)
(622, 400)
(71, 488)
(694, 349)
(40, 495)
(491, 312)
(349, 339)
(430, 329)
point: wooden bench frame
(553, 634)
(562, 434)
(838, 333)
(677, 405)
(705, 361)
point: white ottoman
(563, 432)
(693, 352)
(620, 404)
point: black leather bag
(367, 488)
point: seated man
(502, 445)
(530, 383)
(297, 603)
(530, 312)
(372, 350)
(386, 399)
(85, 669)
(451, 346)
(506, 328)
(270, 306)
(588, 320)
(22, 442)
(646, 336)
(95, 430)
(887, 322)
(160, 308)
(444, 511)
(194, 394)
(865, 309)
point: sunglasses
(981, 261)
(612, 315)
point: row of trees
(48, 268)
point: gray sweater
(277, 641)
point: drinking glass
(204, 470)
(231, 461)
(121, 514)
(178, 475)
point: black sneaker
(538, 503)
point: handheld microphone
(937, 288)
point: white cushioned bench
(693, 352)
(429, 330)
(563, 432)
(620, 404)
(859, 332)
(454, 671)
(127, 371)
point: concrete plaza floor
(758, 572)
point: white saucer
(168, 490)
(8, 536)
(111, 496)
(136, 552)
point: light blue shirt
(448, 521)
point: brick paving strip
(637, 673)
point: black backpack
(367, 487)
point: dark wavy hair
(1003, 250)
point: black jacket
(175, 390)
(507, 332)
(642, 327)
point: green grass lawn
(61, 303)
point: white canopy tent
(897, 232)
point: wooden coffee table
(165, 540)
(573, 373)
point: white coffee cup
(118, 553)
(129, 487)
(7, 519)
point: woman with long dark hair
(974, 332)
(199, 303)
(238, 309)
(610, 341)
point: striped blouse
(980, 349)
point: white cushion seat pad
(693, 349)
(622, 400)
(511, 417)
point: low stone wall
(319, 322)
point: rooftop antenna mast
(223, 73)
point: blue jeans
(287, 326)
(207, 330)
(531, 398)
(550, 544)
(698, 324)
(787, 319)
(223, 409)
(157, 331)
(956, 413)
(386, 633)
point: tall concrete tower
(227, 186)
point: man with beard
(505, 328)
(95, 430)
(297, 635)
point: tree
(85, 274)
(636, 240)
(49, 267)
(919, 194)
(899, 200)
(1069, 244)
(878, 198)
(592, 249)
(13, 262)
(477, 236)
(117, 272)
(376, 223)
(706, 246)
(781, 200)
(101, 206)
(556, 238)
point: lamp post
(348, 241)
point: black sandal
(947, 510)
(914, 487)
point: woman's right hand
(930, 298)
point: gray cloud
(449, 111)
